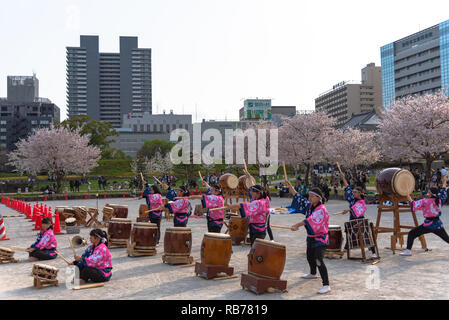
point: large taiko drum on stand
(266, 259)
(144, 236)
(238, 229)
(228, 182)
(216, 249)
(335, 238)
(395, 181)
(244, 184)
(119, 230)
(178, 241)
(142, 208)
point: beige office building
(350, 98)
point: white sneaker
(309, 276)
(406, 253)
(374, 256)
(324, 289)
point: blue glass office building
(415, 65)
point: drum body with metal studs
(144, 236)
(266, 259)
(238, 229)
(216, 249)
(119, 230)
(178, 241)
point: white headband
(316, 194)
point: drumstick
(19, 249)
(201, 177)
(285, 171)
(157, 180)
(62, 257)
(148, 211)
(341, 212)
(281, 227)
(216, 209)
(71, 244)
(88, 286)
(134, 199)
(141, 176)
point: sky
(207, 55)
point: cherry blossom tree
(158, 164)
(303, 139)
(59, 151)
(416, 127)
(352, 148)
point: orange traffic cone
(105, 195)
(38, 224)
(2, 230)
(57, 226)
(66, 197)
(85, 196)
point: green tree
(99, 131)
(114, 154)
(150, 147)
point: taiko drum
(142, 208)
(238, 229)
(119, 211)
(119, 229)
(178, 241)
(216, 249)
(395, 181)
(335, 238)
(228, 182)
(244, 184)
(144, 236)
(266, 259)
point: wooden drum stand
(396, 208)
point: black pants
(91, 274)
(315, 259)
(256, 235)
(270, 233)
(41, 255)
(178, 224)
(420, 230)
(214, 228)
(157, 221)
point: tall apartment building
(22, 88)
(349, 98)
(417, 64)
(23, 110)
(106, 86)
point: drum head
(403, 183)
(70, 220)
(233, 181)
(177, 229)
(334, 227)
(145, 224)
(270, 243)
(120, 220)
(217, 235)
